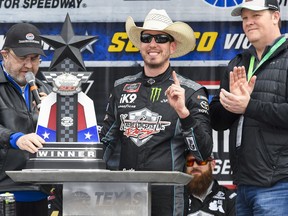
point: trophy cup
(67, 119)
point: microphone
(30, 78)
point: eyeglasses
(24, 59)
(159, 38)
(190, 162)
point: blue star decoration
(67, 45)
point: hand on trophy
(30, 142)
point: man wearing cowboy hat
(157, 113)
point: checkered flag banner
(50, 76)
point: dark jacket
(262, 158)
(14, 117)
(151, 135)
(219, 202)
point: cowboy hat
(159, 20)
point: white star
(89, 46)
(88, 135)
(46, 135)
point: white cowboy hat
(159, 20)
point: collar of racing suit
(149, 81)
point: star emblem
(89, 46)
(88, 136)
(68, 45)
(46, 135)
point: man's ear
(173, 47)
(213, 163)
(4, 53)
(276, 17)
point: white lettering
(240, 41)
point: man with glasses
(204, 194)
(255, 110)
(156, 114)
(18, 114)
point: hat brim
(23, 51)
(182, 33)
(237, 11)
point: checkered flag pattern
(67, 133)
(83, 76)
(50, 76)
(67, 65)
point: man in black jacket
(204, 194)
(18, 114)
(256, 112)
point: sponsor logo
(151, 81)
(119, 198)
(223, 4)
(67, 121)
(232, 195)
(127, 106)
(120, 42)
(128, 98)
(204, 105)
(236, 41)
(216, 205)
(30, 36)
(155, 94)
(66, 84)
(28, 4)
(141, 125)
(219, 195)
(164, 101)
(201, 97)
(191, 143)
(130, 88)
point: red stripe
(208, 82)
(52, 118)
(81, 118)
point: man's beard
(200, 183)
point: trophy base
(68, 156)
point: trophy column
(68, 115)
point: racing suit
(152, 136)
(219, 201)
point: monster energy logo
(155, 94)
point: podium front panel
(106, 199)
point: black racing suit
(220, 201)
(152, 136)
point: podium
(90, 192)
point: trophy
(67, 119)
